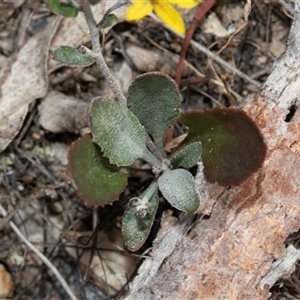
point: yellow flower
(164, 10)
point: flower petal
(169, 15)
(186, 3)
(139, 10)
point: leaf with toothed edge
(119, 133)
(232, 144)
(135, 230)
(155, 99)
(96, 181)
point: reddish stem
(200, 13)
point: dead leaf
(111, 265)
(30, 222)
(6, 283)
(60, 113)
(26, 81)
(233, 14)
(214, 26)
(154, 60)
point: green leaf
(178, 188)
(155, 99)
(119, 133)
(93, 2)
(135, 230)
(232, 145)
(109, 21)
(63, 9)
(187, 156)
(96, 181)
(73, 57)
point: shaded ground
(84, 243)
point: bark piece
(281, 267)
(226, 255)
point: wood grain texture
(227, 254)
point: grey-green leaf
(63, 9)
(188, 156)
(179, 189)
(96, 181)
(119, 133)
(155, 99)
(136, 230)
(109, 21)
(73, 57)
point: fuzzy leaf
(178, 188)
(73, 57)
(97, 182)
(154, 98)
(187, 156)
(63, 9)
(232, 145)
(109, 21)
(119, 133)
(136, 230)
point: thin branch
(200, 13)
(43, 258)
(196, 71)
(210, 54)
(110, 10)
(94, 31)
(225, 64)
(40, 167)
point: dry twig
(211, 54)
(43, 258)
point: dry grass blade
(43, 258)
(247, 10)
(211, 54)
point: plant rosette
(227, 141)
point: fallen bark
(229, 253)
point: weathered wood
(227, 254)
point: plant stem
(154, 149)
(94, 31)
(201, 11)
(111, 9)
(150, 191)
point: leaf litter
(35, 134)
